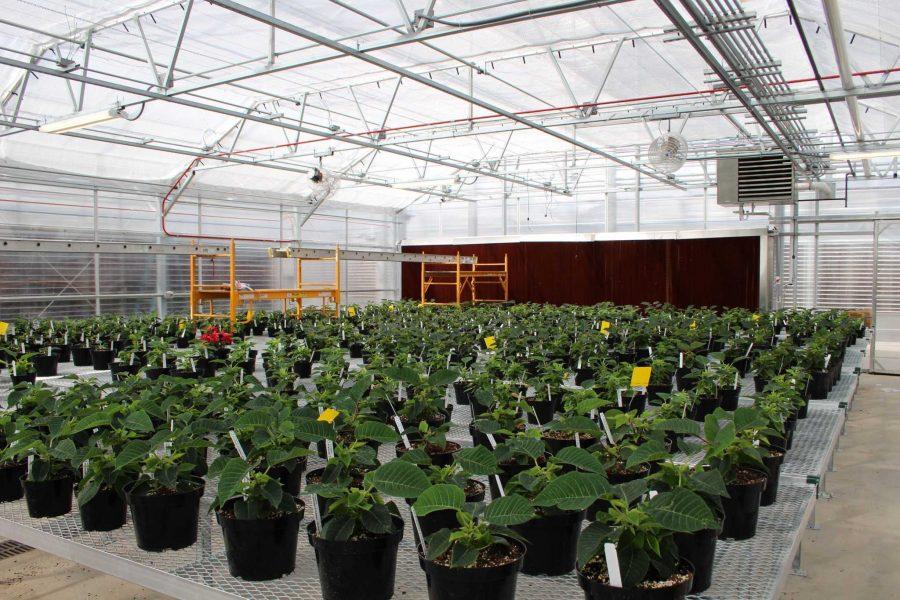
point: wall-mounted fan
(668, 152)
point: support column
(611, 199)
(96, 215)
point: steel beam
(14, 245)
(694, 40)
(383, 64)
(150, 62)
(251, 117)
(842, 55)
(562, 76)
(170, 72)
(421, 36)
(88, 40)
(612, 61)
(818, 97)
(408, 257)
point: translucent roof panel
(255, 107)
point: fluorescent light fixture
(81, 120)
(865, 154)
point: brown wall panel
(714, 271)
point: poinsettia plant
(216, 336)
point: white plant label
(681, 360)
(736, 375)
(606, 429)
(492, 441)
(415, 520)
(536, 417)
(499, 486)
(827, 360)
(612, 565)
(577, 440)
(749, 349)
(619, 396)
(237, 444)
(402, 432)
(317, 516)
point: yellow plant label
(640, 377)
(391, 307)
(351, 311)
(249, 315)
(756, 317)
(604, 327)
(329, 415)
(181, 325)
(490, 342)
(693, 324)
(4, 327)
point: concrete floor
(853, 555)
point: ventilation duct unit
(765, 179)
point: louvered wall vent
(765, 179)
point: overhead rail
(38, 245)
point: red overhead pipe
(533, 111)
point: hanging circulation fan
(668, 152)
(322, 185)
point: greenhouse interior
(449, 299)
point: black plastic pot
(773, 466)
(50, 498)
(488, 583)
(104, 512)
(759, 383)
(597, 590)
(356, 349)
(615, 478)
(119, 371)
(45, 365)
(11, 481)
(303, 369)
(742, 508)
(552, 542)
(445, 519)
(704, 405)
(583, 374)
(63, 351)
(261, 549)
(290, 474)
(81, 356)
(554, 445)
(699, 549)
(507, 472)
(654, 391)
(157, 372)
(17, 379)
(438, 459)
(540, 411)
(165, 521)
(355, 569)
(462, 395)
(728, 400)
(100, 359)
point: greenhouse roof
(473, 100)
